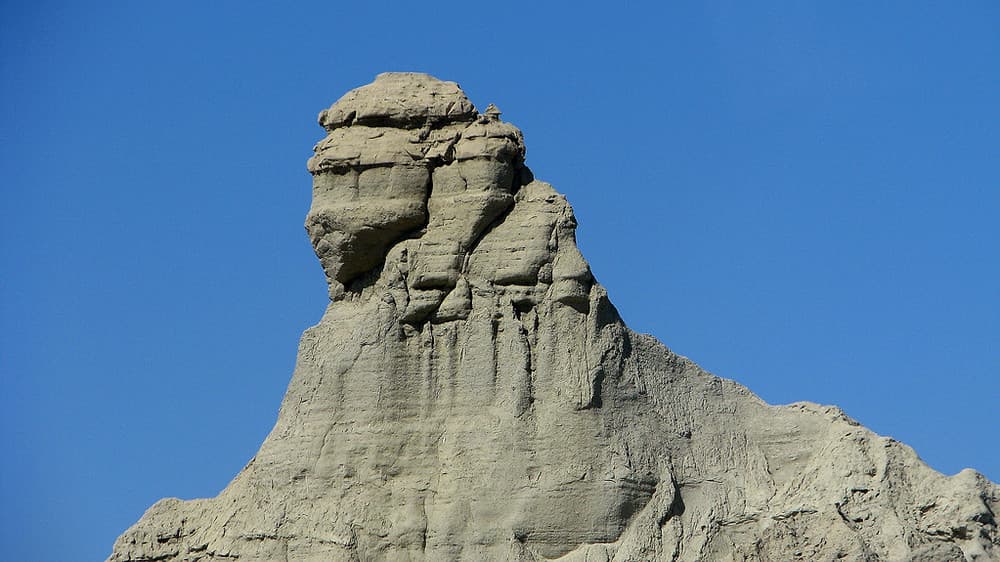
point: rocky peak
(409, 164)
(472, 394)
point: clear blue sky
(803, 197)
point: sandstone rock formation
(472, 394)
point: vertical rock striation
(472, 394)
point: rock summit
(472, 394)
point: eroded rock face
(471, 394)
(408, 156)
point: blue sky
(802, 197)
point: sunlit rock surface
(472, 394)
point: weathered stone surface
(472, 394)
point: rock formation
(472, 394)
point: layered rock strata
(471, 394)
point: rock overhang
(406, 100)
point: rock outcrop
(472, 394)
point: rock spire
(472, 394)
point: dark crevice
(596, 390)
(414, 123)
(344, 167)
(676, 507)
(847, 520)
(529, 372)
(495, 331)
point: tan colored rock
(472, 394)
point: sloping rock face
(472, 394)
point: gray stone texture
(472, 394)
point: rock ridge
(472, 394)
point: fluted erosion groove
(472, 394)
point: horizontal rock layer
(472, 394)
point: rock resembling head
(407, 155)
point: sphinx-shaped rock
(472, 394)
(409, 152)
